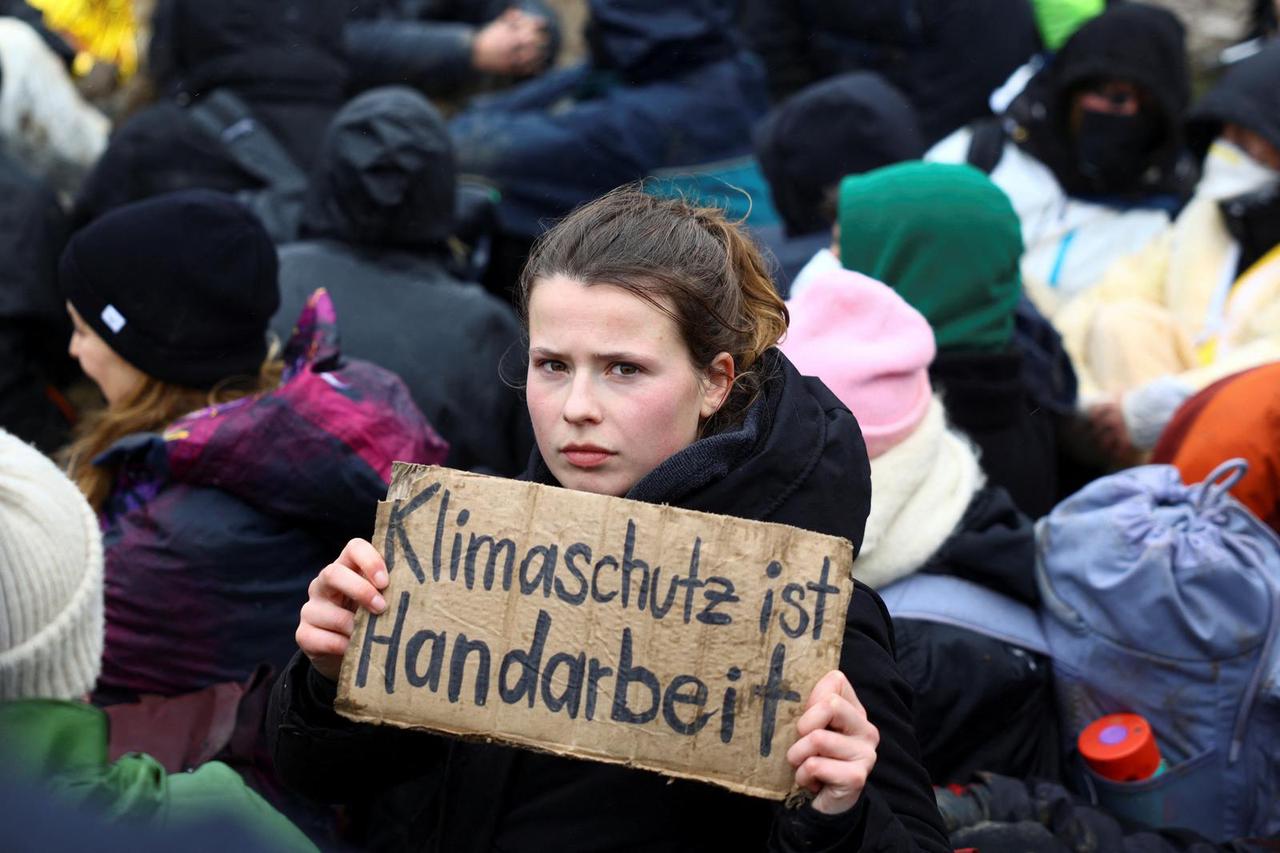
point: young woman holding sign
(653, 374)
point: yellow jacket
(1175, 308)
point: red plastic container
(1120, 747)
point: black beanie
(181, 286)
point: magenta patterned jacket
(217, 525)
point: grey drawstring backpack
(1161, 599)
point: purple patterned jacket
(216, 527)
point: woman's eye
(624, 369)
(551, 365)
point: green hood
(1059, 19)
(946, 239)
(64, 744)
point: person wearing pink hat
(873, 351)
(932, 510)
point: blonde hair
(149, 407)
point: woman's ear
(719, 383)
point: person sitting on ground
(666, 83)
(1199, 302)
(1090, 152)
(51, 625)
(283, 60)
(947, 240)
(842, 126)
(703, 413)
(375, 227)
(441, 46)
(932, 512)
(219, 484)
(946, 57)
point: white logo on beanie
(114, 319)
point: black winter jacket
(448, 341)
(798, 459)
(34, 328)
(378, 212)
(425, 43)
(284, 59)
(946, 56)
(987, 399)
(982, 704)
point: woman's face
(114, 376)
(612, 390)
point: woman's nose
(582, 405)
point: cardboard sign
(597, 627)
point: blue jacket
(667, 84)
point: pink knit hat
(869, 347)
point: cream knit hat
(51, 627)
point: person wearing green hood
(948, 241)
(51, 635)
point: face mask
(1112, 151)
(1229, 171)
(1253, 219)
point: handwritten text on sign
(597, 627)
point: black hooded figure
(1120, 157)
(1248, 96)
(843, 126)
(665, 83)
(284, 59)
(378, 213)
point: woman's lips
(585, 457)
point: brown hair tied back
(689, 262)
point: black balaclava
(1114, 151)
(1131, 42)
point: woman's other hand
(836, 748)
(327, 620)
